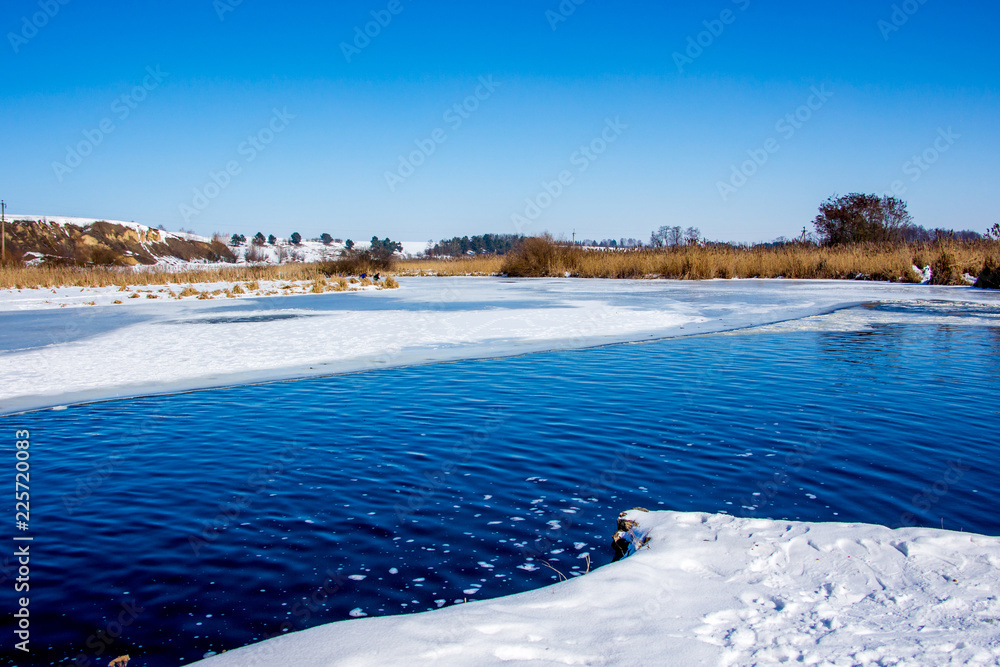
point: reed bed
(950, 259)
(479, 265)
(541, 257)
(21, 277)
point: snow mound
(707, 589)
(924, 274)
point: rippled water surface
(169, 527)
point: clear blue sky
(895, 94)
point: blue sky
(244, 116)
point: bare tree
(675, 236)
(256, 253)
(658, 238)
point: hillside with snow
(95, 241)
(307, 250)
(88, 241)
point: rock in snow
(707, 589)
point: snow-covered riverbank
(54, 355)
(706, 589)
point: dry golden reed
(544, 257)
(480, 265)
(869, 262)
(20, 277)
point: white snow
(413, 248)
(63, 297)
(78, 353)
(706, 590)
(310, 251)
(924, 274)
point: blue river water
(174, 526)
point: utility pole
(574, 237)
(3, 230)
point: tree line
(485, 244)
(855, 218)
(866, 218)
(295, 238)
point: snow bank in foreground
(707, 589)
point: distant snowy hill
(63, 220)
(89, 241)
(95, 240)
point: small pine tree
(295, 238)
(383, 249)
(326, 238)
(348, 244)
(272, 239)
(258, 238)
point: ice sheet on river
(55, 355)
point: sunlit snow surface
(707, 589)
